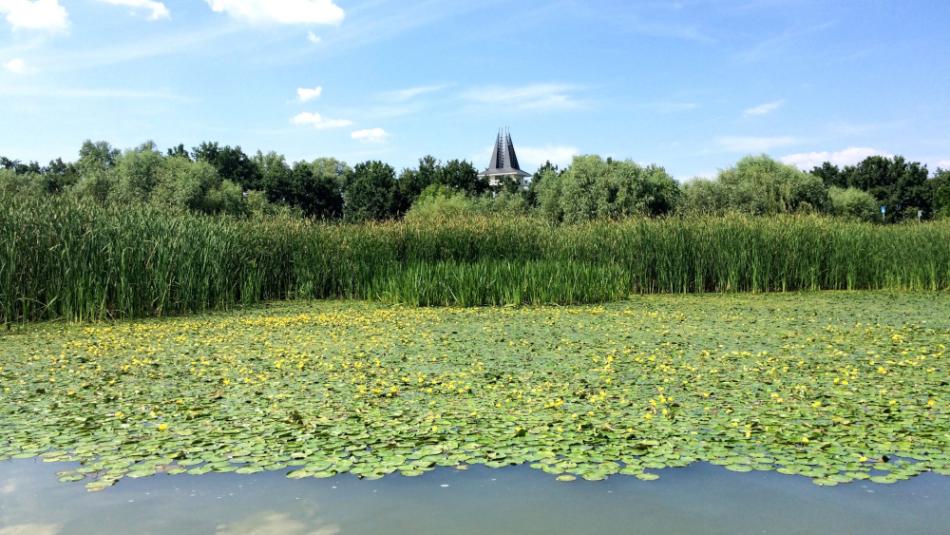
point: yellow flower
(163, 427)
(119, 415)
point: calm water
(700, 499)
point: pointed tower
(503, 167)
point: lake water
(699, 499)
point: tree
(371, 192)
(853, 203)
(59, 175)
(461, 175)
(276, 177)
(95, 166)
(940, 193)
(315, 191)
(592, 188)
(830, 175)
(894, 182)
(179, 151)
(413, 181)
(188, 185)
(96, 156)
(231, 163)
(137, 172)
(762, 186)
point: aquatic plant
(835, 386)
(63, 259)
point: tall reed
(63, 259)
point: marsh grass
(63, 259)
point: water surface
(699, 499)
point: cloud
(35, 15)
(313, 38)
(754, 144)
(409, 93)
(556, 154)
(89, 93)
(306, 94)
(271, 522)
(763, 109)
(671, 107)
(527, 97)
(806, 161)
(319, 122)
(281, 11)
(370, 135)
(157, 10)
(15, 65)
(32, 529)
(943, 164)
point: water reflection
(699, 499)
(274, 523)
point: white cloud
(754, 144)
(15, 65)
(528, 97)
(306, 94)
(35, 15)
(313, 38)
(319, 122)
(281, 11)
(157, 10)
(806, 161)
(763, 109)
(560, 156)
(402, 95)
(32, 529)
(370, 135)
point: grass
(61, 259)
(833, 386)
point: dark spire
(504, 160)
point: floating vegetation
(832, 386)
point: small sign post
(883, 213)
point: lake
(701, 498)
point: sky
(691, 85)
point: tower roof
(504, 161)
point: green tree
(137, 172)
(894, 182)
(761, 185)
(853, 203)
(592, 187)
(830, 175)
(315, 191)
(371, 192)
(231, 163)
(940, 193)
(461, 175)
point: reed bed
(63, 259)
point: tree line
(215, 179)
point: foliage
(229, 162)
(833, 387)
(593, 188)
(940, 193)
(371, 192)
(896, 183)
(853, 203)
(437, 203)
(758, 185)
(61, 257)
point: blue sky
(692, 85)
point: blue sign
(883, 210)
